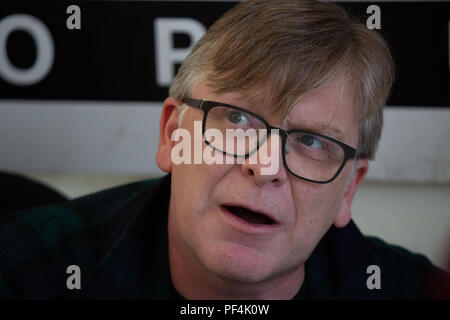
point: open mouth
(249, 215)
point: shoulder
(408, 274)
(37, 245)
(394, 255)
(350, 263)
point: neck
(193, 281)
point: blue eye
(312, 142)
(238, 118)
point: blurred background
(81, 90)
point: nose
(266, 165)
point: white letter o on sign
(44, 50)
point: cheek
(192, 197)
(194, 183)
(194, 191)
(195, 178)
(316, 207)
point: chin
(239, 263)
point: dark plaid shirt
(118, 238)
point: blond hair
(292, 46)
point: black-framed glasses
(307, 155)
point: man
(314, 82)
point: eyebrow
(322, 128)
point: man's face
(207, 234)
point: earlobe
(345, 213)
(167, 124)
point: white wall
(415, 216)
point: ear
(345, 214)
(167, 124)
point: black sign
(122, 50)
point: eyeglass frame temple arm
(196, 103)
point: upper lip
(254, 209)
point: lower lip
(248, 227)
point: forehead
(329, 109)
